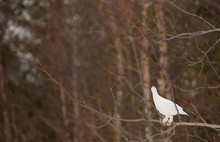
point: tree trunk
(119, 59)
(3, 97)
(64, 110)
(144, 53)
(76, 112)
(62, 94)
(119, 92)
(163, 79)
(146, 90)
(61, 68)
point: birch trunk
(144, 53)
(76, 114)
(146, 90)
(163, 79)
(119, 92)
(76, 61)
(119, 65)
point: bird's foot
(167, 121)
(168, 124)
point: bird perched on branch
(166, 107)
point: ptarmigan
(166, 107)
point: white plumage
(166, 107)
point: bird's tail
(184, 113)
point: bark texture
(163, 79)
(145, 67)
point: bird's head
(153, 89)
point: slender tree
(76, 112)
(163, 78)
(58, 46)
(120, 70)
(145, 67)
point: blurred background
(74, 70)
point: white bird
(166, 107)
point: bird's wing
(164, 106)
(167, 107)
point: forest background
(81, 70)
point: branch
(192, 14)
(191, 34)
(101, 114)
(197, 124)
(196, 89)
(194, 124)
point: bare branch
(196, 89)
(191, 14)
(101, 114)
(197, 124)
(191, 34)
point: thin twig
(191, 34)
(192, 14)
